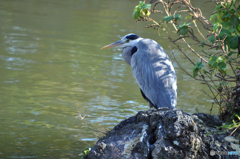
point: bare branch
(82, 118)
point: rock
(208, 120)
(162, 133)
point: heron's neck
(126, 54)
(127, 50)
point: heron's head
(127, 40)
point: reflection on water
(52, 67)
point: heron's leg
(151, 105)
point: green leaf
(219, 15)
(184, 24)
(208, 133)
(231, 53)
(141, 3)
(146, 6)
(167, 18)
(219, 59)
(215, 27)
(225, 15)
(212, 16)
(235, 21)
(216, 21)
(221, 83)
(222, 66)
(233, 42)
(136, 13)
(199, 65)
(231, 29)
(238, 27)
(183, 30)
(213, 61)
(218, 7)
(213, 58)
(178, 16)
(181, 25)
(214, 64)
(224, 32)
(189, 16)
(226, 24)
(232, 9)
(141, 10)
(196, 68)
(188, 24)
(212, 38)
(195, 72)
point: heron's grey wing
(154, 73)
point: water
(52, 68)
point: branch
(175, 27)
(82, 118)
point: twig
(82, 118)
(207, 94)
(194, 22)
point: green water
(52, 68)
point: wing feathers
(154, 73)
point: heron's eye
(128, 41)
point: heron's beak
(120, 42)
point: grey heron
(151, 68)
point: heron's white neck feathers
(126, 54)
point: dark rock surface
(162, 133)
